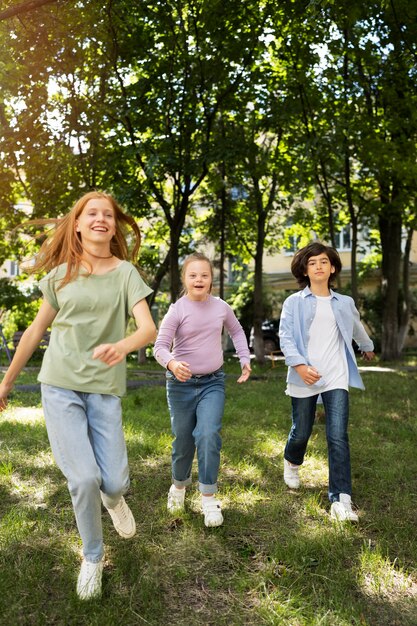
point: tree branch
(23, 7)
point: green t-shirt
(91, 310)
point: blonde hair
(195, 256)
(63, 244)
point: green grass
(278, 558)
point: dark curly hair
(301, 257)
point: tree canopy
(271, 114)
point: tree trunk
(390, 228)
(405, 309)
(142, 356)
(223, 210)
(174, 272)
(176, 227)
(161, 272)
(258, 307)
(258, 313)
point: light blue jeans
(336, 407)
(87, 441)
(196, 407)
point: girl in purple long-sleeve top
(189, 346)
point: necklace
(96, 256)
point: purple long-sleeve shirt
(191, 331)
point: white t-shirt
(326, 352)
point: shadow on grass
(278, 559)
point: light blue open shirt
(297, 315)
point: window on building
(13, 268)
(344, 238)
(238, 192)
(293, 244)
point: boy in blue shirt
(316, 331)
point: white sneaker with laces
(89, 580)
(212, 511)
(342, 510)
(175, 499)
(291, 475)
(123, 519)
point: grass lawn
(278, 558)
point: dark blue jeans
(336, 406)
(196, 407)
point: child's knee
(84, 485)
(208, 440)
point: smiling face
(96, 222)
(319, 270)
(197, 280)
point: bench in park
(44, 343)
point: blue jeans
(87, 441)
(336, 406)
(196, 408)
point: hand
(368, 356)
(246, 372)
(308, 373)
(109, 353)
(180, 369)
(4, 392)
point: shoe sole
(292, 486)
(175, 509)
(126, 535)
(213, 525)
(344, 519)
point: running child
(189, 346)
(316, 331)
(89, 293)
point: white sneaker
(212, 511)
(175, 499)
(123, 519)
(342, 510)
(89, 580)
(291, 475)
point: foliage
(241, 301)
(274, 115)
(372, 307)
(18, 305)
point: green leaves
(304, 111)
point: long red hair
(63, 243)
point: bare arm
(27, 345)
(113, 353)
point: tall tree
(363, 95)
(133, 84)
(384, 70)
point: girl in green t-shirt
(89, 292)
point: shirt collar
(307, 292)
